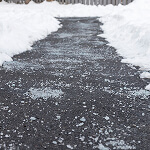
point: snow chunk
(69, 146)
(80, 124)
(32, 118)
(21, 26)
(147, 87)
(106, 118)
(145, 75)
(83, 119)
(102, 147)
(4, 57)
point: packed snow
(127, 28)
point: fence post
(124, 2)
(101, 2)
(109, 2)
(114, 2)
(118, 2)
(96, 2)
(105, 2)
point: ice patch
(32, 118)
(69, 146)
(102, 147)
(120, 144)
(44, 93)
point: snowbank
(20, 26)
(127, 29)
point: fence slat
(87, 2)
(109, 2)
(105, 2)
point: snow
(127, 28)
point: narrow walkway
(72, 92)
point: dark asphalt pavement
(71, 91)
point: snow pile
(45, 93)
(20, 26)
(127, 29)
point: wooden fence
(96, 2)
(86, 2)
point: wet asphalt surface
(71, 91)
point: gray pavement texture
(71, 91)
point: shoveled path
(72, 92)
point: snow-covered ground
(127, 28)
